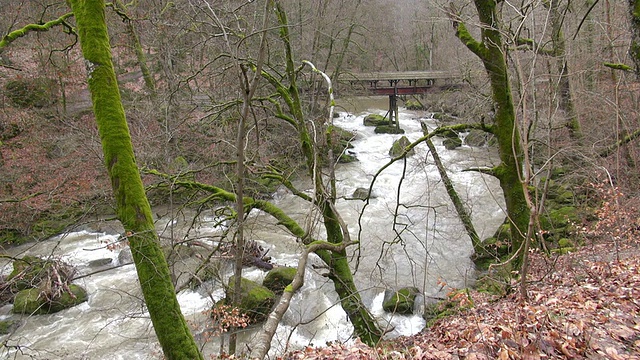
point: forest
(216, 179)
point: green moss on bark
(133, 209)
(492, 53)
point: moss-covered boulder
(448, 134)
(278, 278)
(444, 117)
(561, 218)
(29, 272)
(388, 129)
(256, 302)
(401, 301)
(413, 104)
(455, 302)
(33, 301)
(8, 326)
(399, 145)
(478, 138)
(375, 120)
(347, 158)
(565, 246)
(361, 194)
(493, 248)
(452, 143)
(340, 142)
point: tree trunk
(493, 55)
(463, 214)
(363, 322)
(149, 81)
(634, 50)
(132, 206)
(564, 86)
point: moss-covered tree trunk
(492, 52)
(133, 208)
(365, 326)
(363, 323)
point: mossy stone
(565, 243)
(375, 120)
(503, 233)
(412, 104)
(560, 218)
(278, 278)
(565, 246)
(566, 197)
(444, 117)
(340, 142)
(31, 302)
(449, 134)
(361, 194)
(477, 138)
(493, 249)
(388, 129)
(257, 300)
(28, 272)
(451, 143)
(498, 284)
(399, 145)
(346, 158)
(402, 301)
(446, 307)
(7, 326)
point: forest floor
(581, 305)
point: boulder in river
(256, 302)
(361, 194)
(478, 138)
(399, 145)
(413, 104)
(34, 301)
(278, 278)
(375, 120)
(401, 301)
(452, 143)
(42, 286)
(388, 129)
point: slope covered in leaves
(583, 305)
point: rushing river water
(409, 236)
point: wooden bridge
(398, 83)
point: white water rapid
(426, 248)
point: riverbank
(581, 305)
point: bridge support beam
(393, 111)
(393, 105)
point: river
(409, 236)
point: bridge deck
(398, 75)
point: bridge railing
(396, 76)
